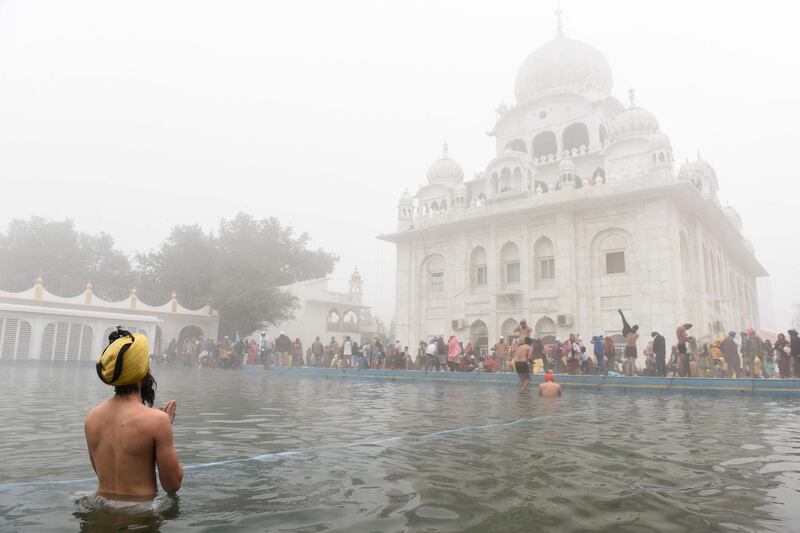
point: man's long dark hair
(147, 389)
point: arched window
(545, 330)
(599, 175)
(508, 329)
(613, 249)
(540, 187)
(544, 262)
(661, 157)
(505, 180)
(350, 321)
(186, 333)
(707, 267)
(479, 271)
(516, 180)
(509, 257)
(479, 337)
(433, 271)
(517, 145)
(493, 184)
(544, 144)
(334, 320)
(575, 136)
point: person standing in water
(660, 351)
(631, 334)
(521, 357)
(731, 353)
(549, 388)
(125, 437)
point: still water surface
(313, 454)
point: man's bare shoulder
(96, 411)
(132, 413)
(155, 419)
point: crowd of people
(737, 355)
(202, 352)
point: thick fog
(131, 118)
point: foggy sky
(322, 113)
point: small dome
(633, 121)
(562, 66)
(687, 171)
(704, 167)
(697, 168)
(445, 171)
(660, 140)
(355, 276)
(700, 174)
(405, 199)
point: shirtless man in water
(521, 357)
(127, 439)
(549, 388)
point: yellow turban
(125, 361)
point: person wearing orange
(549, 388)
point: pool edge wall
(769, 387)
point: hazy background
(131, 117)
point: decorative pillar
(133, 298)
(38, 288)
(173, 303)
(87, 294)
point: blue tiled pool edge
(770, 387)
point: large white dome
(564, 65)
(445, 171)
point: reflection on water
(333, 454)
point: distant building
(323, 312)
(578, 215)
(36, 324)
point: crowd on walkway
(738, 355)
(202, 352)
